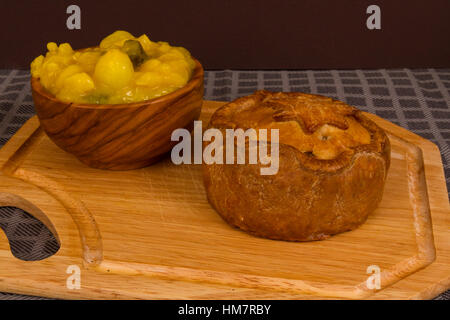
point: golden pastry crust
(324, 186)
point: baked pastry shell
(308, 198)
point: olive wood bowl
(119, 136)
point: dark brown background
(246, 34)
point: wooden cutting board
(150, 233)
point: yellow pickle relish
(122, 69)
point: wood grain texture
(123, 136)
(154, 235)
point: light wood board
(151, 234)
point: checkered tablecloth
(418, 100)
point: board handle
(13, 200)
(90, 237)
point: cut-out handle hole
(29, 238)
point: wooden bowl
(119, 136)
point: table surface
(416, 99)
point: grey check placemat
(414, 99)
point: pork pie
(333, 163)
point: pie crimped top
(315, 125)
